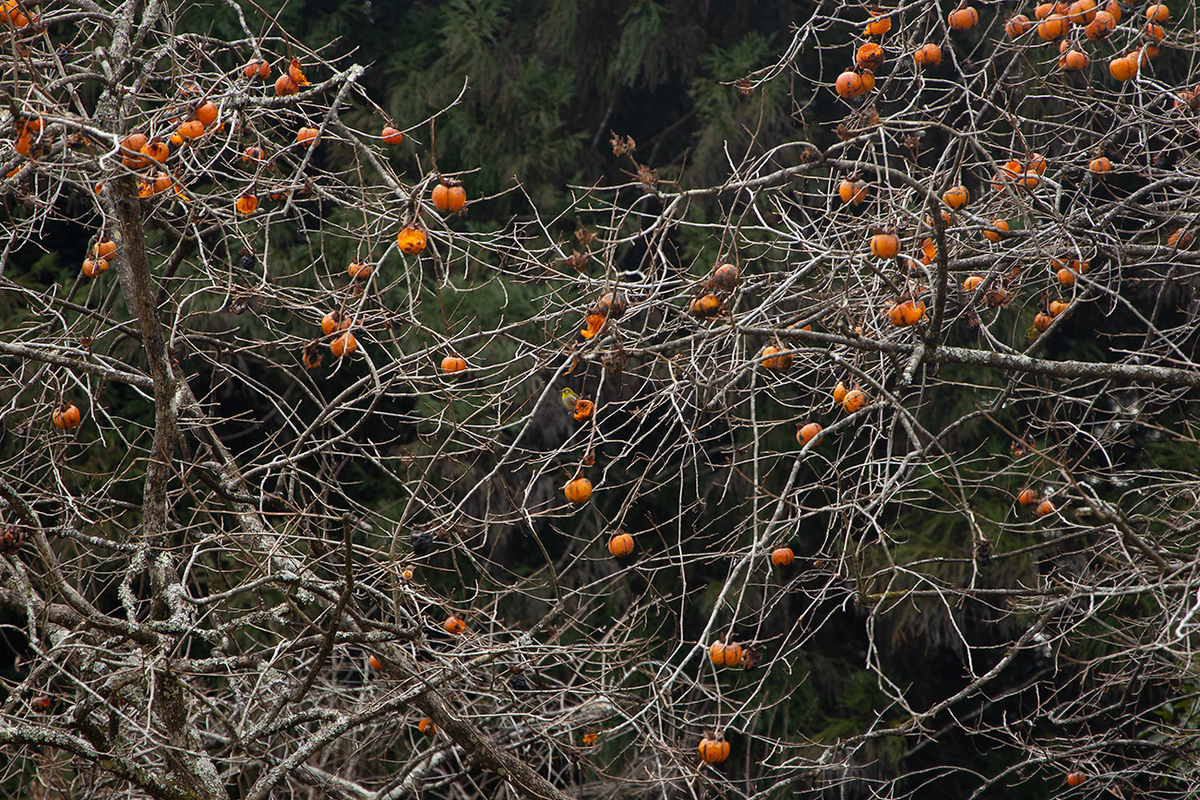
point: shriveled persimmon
(928, 250)
(157, 150)
(724, 277)
(334, 321)
(839, 392)
(707, 305)
(94, 266)
(878, 26)
(869, 56)
(1100, 27)
(67, 415)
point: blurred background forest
(548, 85)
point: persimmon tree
(865, 469)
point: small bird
(421, 542)
(569, 399)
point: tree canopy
(578, 399)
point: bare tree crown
(855, 447)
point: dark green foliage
(931, 593)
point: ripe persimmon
(1123, 68)
(928, 55)
(449, 196)
(1001, 226)
(849, 84)
(885, 245)
(806, 433)
(621, 544)
(963, 19)
(775, 359)
(1158, 13)
(257, 69)
(782, 556)
(1053, 27)
(853, 192)
(343, 345)
(452, 363)
(956, 196)
(1017, 25)
(207, 113)
(1082, 12)
(855, 399)
(578, 490)
(284, 86)
(1074, 60)
(305, 136)
(391, 136)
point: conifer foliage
(574, 399)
